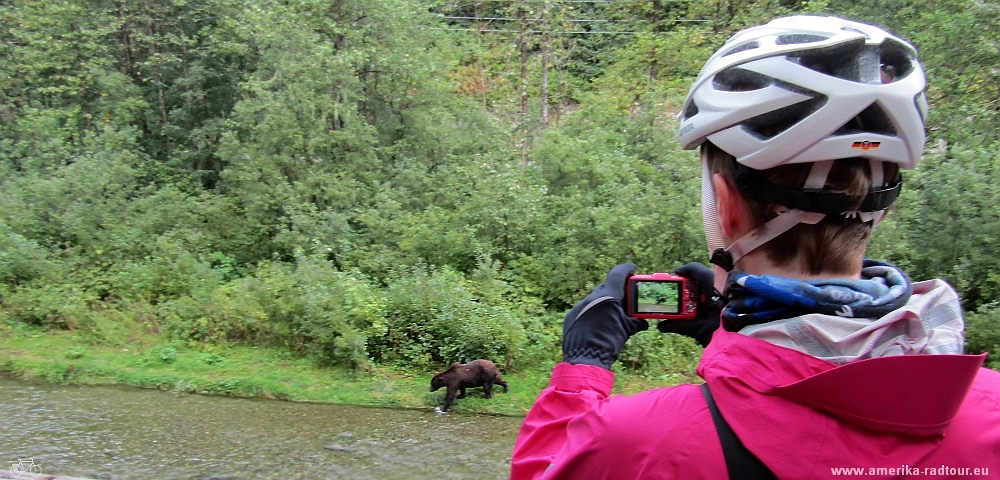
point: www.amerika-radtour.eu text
(943, 470)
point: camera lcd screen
(657, 297)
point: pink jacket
(918, 416)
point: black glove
(701, 328)
(595, 330)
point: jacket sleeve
(572, 391)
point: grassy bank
(152, 361)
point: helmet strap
(878, 181)
(709, 215)
(785, 221)
(727, 258)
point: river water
(127, 433)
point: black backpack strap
(740, 462)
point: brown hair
(834, 245)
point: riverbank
(153, 361)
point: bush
(309, 308)
(652, 354)
(170, 273)
(543, 347)
(52, 306)
(21, 260)
(433, 319)
(982, 333)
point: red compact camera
(661, 296)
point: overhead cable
(575, 20)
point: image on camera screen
(658, 297)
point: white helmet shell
(807, 88)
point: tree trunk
(84, 77)
(124, 42)
(545, 68)
(158, 78)
(523, 40)
(184, 57)
(654, 68)
(479, 53)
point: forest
(402, 184)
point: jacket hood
(870, 372)
(914, 395)
(768, 392)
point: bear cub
(477, 373)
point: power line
(581, 32)
(559, 1)
(527, 19)
(575, 20)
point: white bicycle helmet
(807, 89)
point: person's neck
(758, 263)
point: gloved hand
(701, 328)
(595, 330)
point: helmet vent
(849, 29)
(871, 120)
(740, 80)
(773, 123)
(797, 38)
(841, 60)
(896, 61)
(742, 48)
(691, 110)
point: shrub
(309, 308)
(21, 260)
(543, 346)
(170, 273)
(318, 310)
(53, 306)
(652, 354)
(982, 333)
(432, 319)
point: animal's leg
(488, 388)
(449, 399)
(502, 384)
(462, 394)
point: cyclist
(824, 360)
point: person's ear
(734, 216)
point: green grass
(153, 361)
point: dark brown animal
(477, 373)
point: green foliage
(52, 306)
(212, 359)
(982, 333)
(167, 354)
(309, 308)
(282, 173)
(432, 319)
(666, 357)
(611, 177)
(170, 272)
(22, 260)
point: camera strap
(741, 463)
